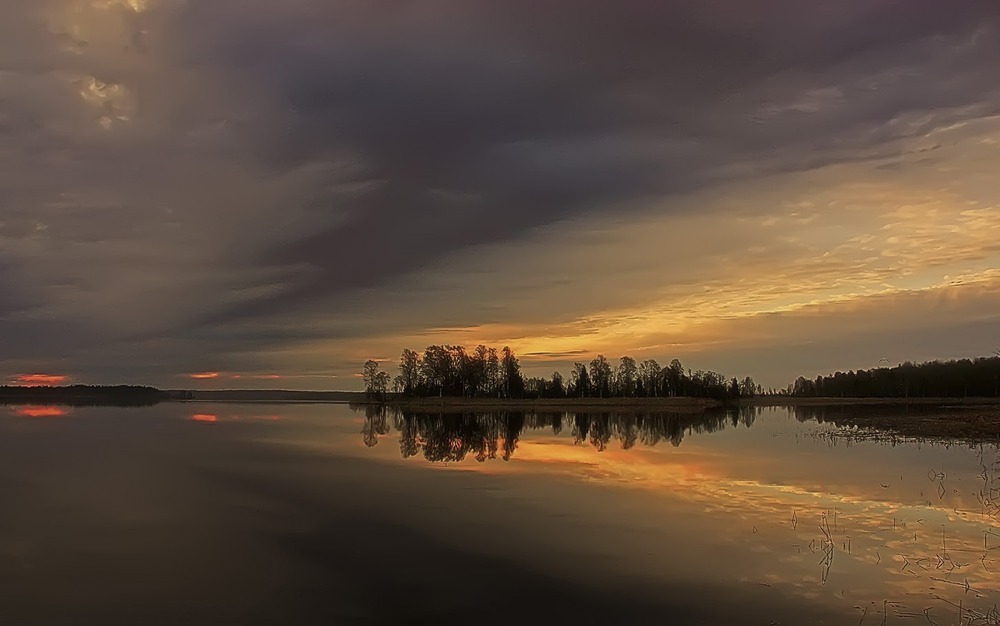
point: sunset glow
(40, 380)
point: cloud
(204, 375)
(217, 186)
(471, 127)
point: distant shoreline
(265, 396)
(86, 394)
(82, 395)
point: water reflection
(443, 437)
(36, 412)
(970, 423)
(895, 528)
(761, 516)
(218, 417)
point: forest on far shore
(84, 395)
(964, 378)
(484, 372)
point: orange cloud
(36, 380)
(205, 417)
(40, 411)
(204, 375)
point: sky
(264, 193)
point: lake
(323, 514)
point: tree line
(484, 372)
(935, 379)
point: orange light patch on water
(38, 380)
(638, 466)
(40, 411)
(204, 375)
(208, 418)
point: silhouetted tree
(626, 377)
(558, 388)
(581, 380)
(481, 383)
(600, 376)
(513, 383)
(493, 372)
(409, 371)
(436, 368)
(369, 374)
(673, 379)
(650, 373)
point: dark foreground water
(317, 514)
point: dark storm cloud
(472, 122)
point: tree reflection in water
(450, 437)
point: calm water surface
(319, 514)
